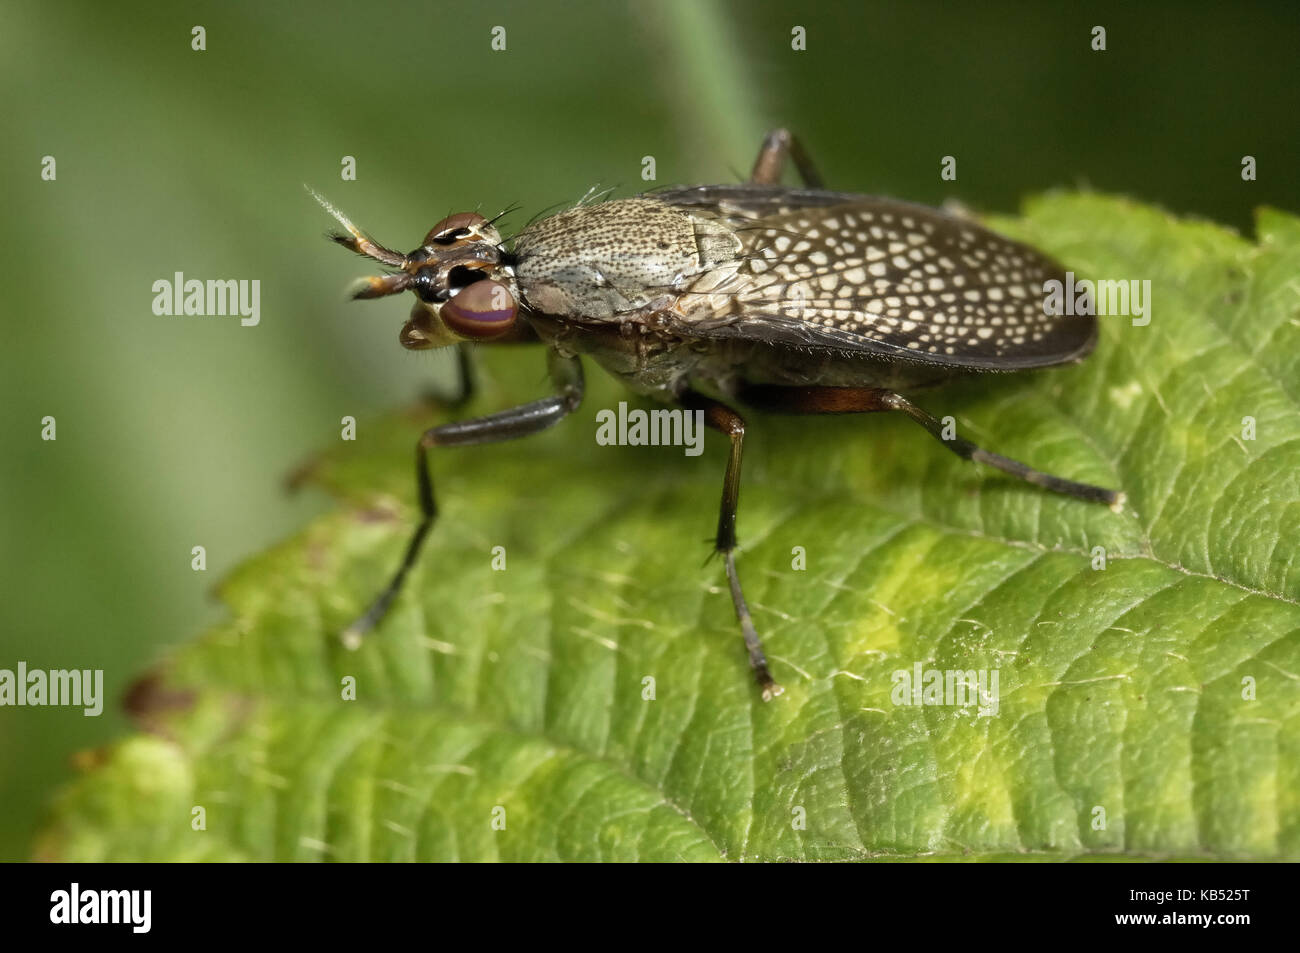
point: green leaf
(1161, 691)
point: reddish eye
(446, 231)
(485, 309)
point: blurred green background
(178, 431)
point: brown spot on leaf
(302, 474)
(148, 701)
(377, 514)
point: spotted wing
(864, 274)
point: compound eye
(485, 309)
(453, 228)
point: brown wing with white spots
(856, 273)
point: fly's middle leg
(720, 417)
(521, 421)
(778, 145)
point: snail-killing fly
(802, 301)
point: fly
(801, 301)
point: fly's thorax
(646, 361)
(597, 262)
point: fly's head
(463, 283)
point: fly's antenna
(358, 241)
(380, 287)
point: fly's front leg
(530, 418)
(723, 419)
(466, 384)
(777, 146)
(860, 400)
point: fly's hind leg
(719, 417)
(778, 145)
(859, 400)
